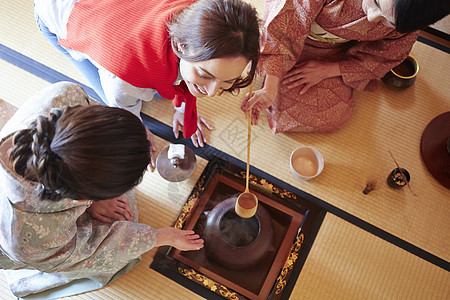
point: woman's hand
(183, 240)
(198, 138)
(151, 139)
(261, 99)
(115, 209)
(310, 73)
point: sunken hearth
(255, 258)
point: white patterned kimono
(47, 244)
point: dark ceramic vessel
(403, 75)
(237, 243)
(395, 179)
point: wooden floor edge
(433, 37)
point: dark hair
(82, 152)
(211, 29)
(411, 15)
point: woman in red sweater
(180, 49)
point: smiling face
(208, 77)
(380, 10)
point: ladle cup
(247, 203)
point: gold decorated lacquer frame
(207, 286)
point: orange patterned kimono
(371, 51)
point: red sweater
(130, 39)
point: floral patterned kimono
(47, 244)
(293, 33)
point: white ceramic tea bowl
(306, 162)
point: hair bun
(43, 161)
(32, 156)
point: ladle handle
(249, 137)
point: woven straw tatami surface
(346, 261)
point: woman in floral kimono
(314, 53)
(68, 210)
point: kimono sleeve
(108, 248)
(72, 241)
(369, 60)
(286, 26)
(104, 248)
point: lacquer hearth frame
(170, 263)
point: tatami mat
(349, 263)
(17, 85)
(18, 31)
(346, 261)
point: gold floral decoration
(210, 284)
(199, 187)
(264, 184)
(289, 264)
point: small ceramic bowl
(306, 162)
(395, 179)
(403, 75)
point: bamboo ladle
(247, 203)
